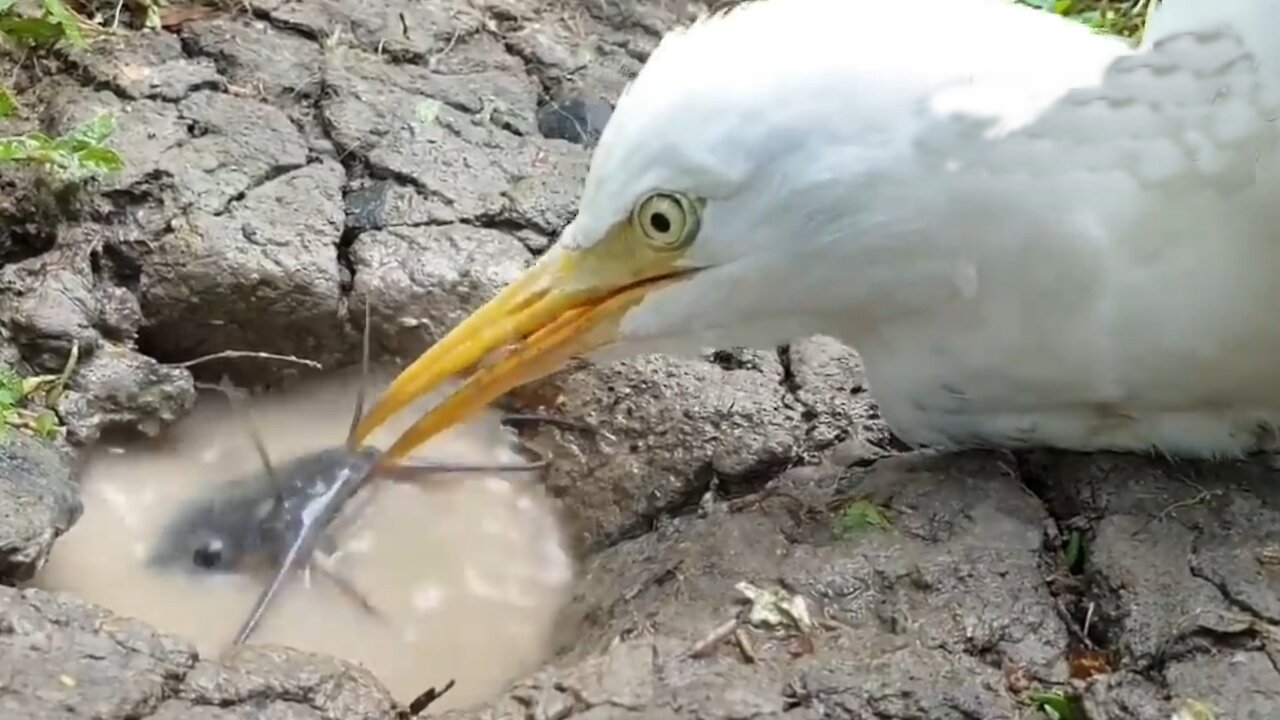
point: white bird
(1034, 235)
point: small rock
(119, 388)
(64, 659)
(146, 65)
(463, 166)
(257, 58)
(331, 688)
(908, 627)
(405, 28)
(119, 313)
(204, 151)
(827, 377)
(665, 428)
(365, 207)
(262, 276)
(421, 281)
(578, 120)
(50, 306)
(39, 501)
(545, 197)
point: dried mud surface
(291, 161)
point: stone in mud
(262, 276)
(826, 376)
(1125, 695)
(199, 153)
(146, 65)
(400, 28)
(39, 501)
(47, 303)
(118, 388)
(64, 658)
(257, 59)
(9, 355)
(1181, 569)
(119, 313)
(916, 621)
(421, 281)
(576, 120)
(664, 430)
(431, 134)
(545, 200)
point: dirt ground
(290, 160)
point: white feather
(1033, 234)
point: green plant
(1075, 552)
(860, 516)
(26, 402)
(54, 23)
(74, 157)
(22, 403)
(1115, 17)
(1056, 705)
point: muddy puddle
(467, 571)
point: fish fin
(235, 396)
(364, 378)
(349, 589)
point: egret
(1032, 234)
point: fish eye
(209, 555)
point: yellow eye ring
(667, 221)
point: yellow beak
(561, 308)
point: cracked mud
(289, 162)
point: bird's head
(746, 141)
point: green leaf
(31, 31)
(58, 13)
(7, 104)
(5, 5)
(1075, 552)
(10, 389)
(1056, 705)
(101, 159)
(860, 516)
(11, 149)
(91, 133)
(45, 424)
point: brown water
(468, 571)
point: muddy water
(468, 571)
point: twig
(60, 385)
(721, 632)
(423, 701)
(226, 354)
(744, 645)
(1165, 513)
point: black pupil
(207, 556)
(660, 222)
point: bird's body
(1071, 245)
(1033, 235)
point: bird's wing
(1256, 22)
(1135, 221)
(1192, 117)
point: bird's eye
(668, 221)
(208, 555)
